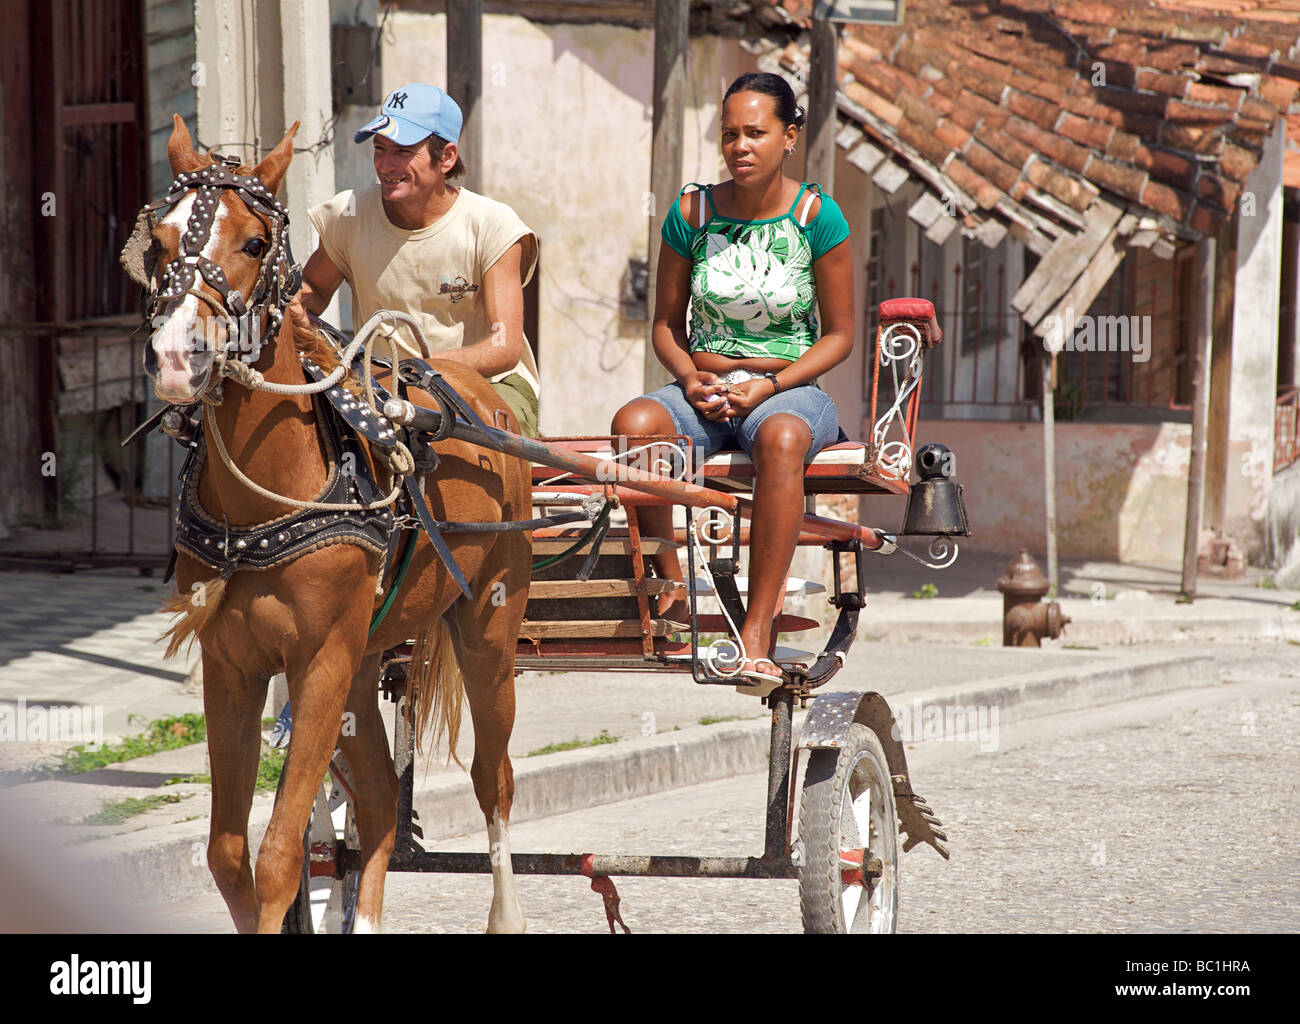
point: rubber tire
(298, 918)
(825, 787)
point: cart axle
(597, 865)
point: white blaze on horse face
(180, 343)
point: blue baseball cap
(412, 113)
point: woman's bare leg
(646, 416)
(779, 450)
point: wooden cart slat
(596, 628)
(615, 543)
(543, 590)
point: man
(454, 260)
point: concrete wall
(566, 139)
(1284, 526)
(1253, 382)
(353, 164)
(261, 68)
(1121, 488)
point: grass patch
(199, 777)
(715, 719)
(162, 734)
(119, 810)
(269, 768)
(574, 744)
(984, 641)
(927, 591)
(1267, 583)
(1295, 606)
(1080, 647)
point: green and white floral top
(753, 294)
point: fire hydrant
(1025, 619)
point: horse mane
(312, 343)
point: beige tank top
(434, 273)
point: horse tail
(436, 688)
(195, 611)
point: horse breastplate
(267, 545)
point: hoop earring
(789, 151)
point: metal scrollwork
(943, 558)
(717, 528)
(724, 657)
(899, 342)
(900, 347)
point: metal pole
(671, 20)
(465, 82)
(1049, 469)
(823, 72)
(778, 777)
(1202, 337)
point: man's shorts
(808, 402)
(522, 400)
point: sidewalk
(89, 639)
(1108, 604)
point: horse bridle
(278, 277)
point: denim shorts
(808, 402)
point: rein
(400, 461)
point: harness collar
(267, 545)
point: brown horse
(309, 617)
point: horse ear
(180, 148)
(271, 170)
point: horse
(308, 617)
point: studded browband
(279, 278)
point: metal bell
(934, 504)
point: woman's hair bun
(787, 111)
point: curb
(168, 863)
(1103, 633)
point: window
(980, 311)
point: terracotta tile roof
(1034, 109)
(1291, 158)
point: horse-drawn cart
(314, 502)
(594, 603)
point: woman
(759, 257)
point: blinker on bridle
(278, 277)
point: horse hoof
(507, 922)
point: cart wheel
(848, 875)
(325, 903)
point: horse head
(217, 265)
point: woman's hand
(706, 395)
(747, 396)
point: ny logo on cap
(398, 99)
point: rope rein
(402, 462)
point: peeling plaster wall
(1121, 488)
(1253, 382)
(566, 138)
(1284, 516)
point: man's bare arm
(320, 280)
(503, 302)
